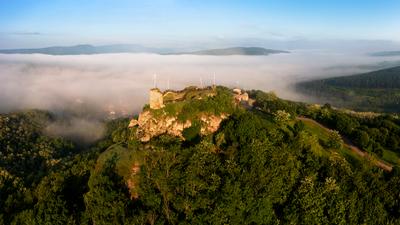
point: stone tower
(156, 99)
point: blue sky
(37, 23)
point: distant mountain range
(86, 50)
(234, 51)
(386, 53)
(123, 48)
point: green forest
(264, 165)
(374, 91)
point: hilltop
(187, 113)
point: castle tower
(156, 99)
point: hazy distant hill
(377, 91)
(126, 48)
(234, 51)
(385, 78)
(365, 67)
(87, 50)
(386, 53)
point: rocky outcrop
(149, 126)
(210, 123)
(240, 96)
(159, 120)
(133, 123)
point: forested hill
(386, 53)
(265, 164)
(385, 78)
(374, 91)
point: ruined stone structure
(156, 99)
(149, 126)
(237, 91)
(240, 96)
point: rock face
(149, 127)
(240, 96)
(133, 123)
(211, 123)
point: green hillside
(373, 91)
(264, 165)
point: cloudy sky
(173, 23)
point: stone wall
(156, 99)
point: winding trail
(377, 162)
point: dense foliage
(376, 133)
(42, 178)
(262, 166)
(374, 91)
(379, 134)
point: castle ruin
(156, 99)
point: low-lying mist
(94, 87)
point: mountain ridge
(385, 53)
(87, 49)
(234, 51)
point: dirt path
(379, 163)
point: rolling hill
(386, 53)
(376, 91)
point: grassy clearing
(124, 157)
(324, 134)
(313, 128)
(391, 157)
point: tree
(362, 138)
(281, 116)
(335, 140)
(108, 197)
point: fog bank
(97, 85)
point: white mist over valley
(119, 83)
(83, 90)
